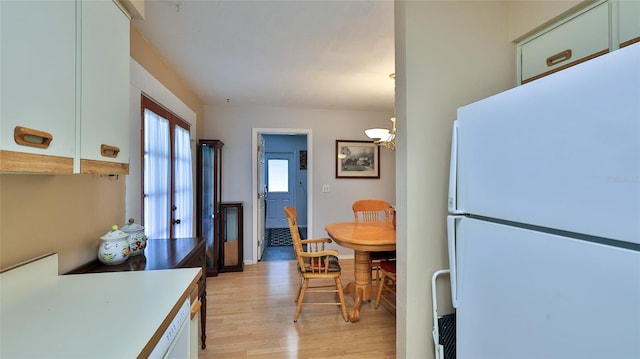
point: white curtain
(157, 176)
(183, 185)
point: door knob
(175, 221)
(173, 208)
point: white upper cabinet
(629, 21)
(104, 115)
(65, 87)
(573, 41)
(38, 76)
(600, 27)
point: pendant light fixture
(381, 136)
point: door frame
(174, 121)
(254, 178)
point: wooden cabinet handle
(559, 57)
(109, 151)
(30, 137)
(195, 308)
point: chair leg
(303, 289)
(343, 305)
(299, 289)
(381, 284)
(375, 269)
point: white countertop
(101, 315)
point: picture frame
(303, 159)
(357, 159)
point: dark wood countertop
(159, 254)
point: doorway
(167, 191)
(288, 153)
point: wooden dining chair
(387, 284)
(374, 210)
(371, 210)
(315, 262)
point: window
(278, 173)
(167, 173)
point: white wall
(529, 15)
(233, 125)
(448, 54)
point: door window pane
(183, 186)
(278, 174)
(157, 178)
(167, 177)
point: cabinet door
(629, 21)
(576, 40)
(231, 238)
(38, 67)
(208, 191)
(105, 88)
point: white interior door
(280, 187)
(262, 197)
(255, 197)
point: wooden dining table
(363, 238)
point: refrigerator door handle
(451, 239)
(453, 172)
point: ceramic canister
(137, 239)
(114, 247)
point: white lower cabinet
(64, 87)
(38, 67)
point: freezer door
(525, 294)
(560, 152)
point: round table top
(369, 236)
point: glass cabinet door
(231, 237)
(209, 187)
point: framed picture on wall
(303, 159)
(357, 159)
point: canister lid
(132, 226)
(114, 233)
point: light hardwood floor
(250, 315)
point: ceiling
(334, 54)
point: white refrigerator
(544, 223)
